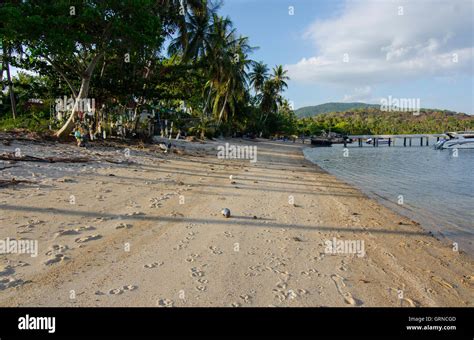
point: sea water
(433, 187)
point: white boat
(380, 141)
(457, 140)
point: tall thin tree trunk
(69, 125)
(10, 83)
(223, 107)
(207, 101)
(3, 62)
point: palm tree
(194, 27)
(211, 41)
(258, 76)
(279, 76)
(270, 99)
(228, 64)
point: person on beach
(79, 136)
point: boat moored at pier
(457, 140)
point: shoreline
(417, 214)
(182, 252)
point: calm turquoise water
(437, 188)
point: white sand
(127, 241)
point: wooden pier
(424, 139)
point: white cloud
(360, 94)
(383, 46)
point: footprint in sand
(201, 288)
(9, 282)
(56, 249)
(153, 265)
(165, 303)
(246, 298)
(320, 257)
(21, 264)
(192, 258)
(123, 226)
(86, 228)
(55, 259)
(88, 238)
(235, 304)
(343, 266)
(469, 277)
(196, 272)
(66, 232)
(215, 250)
(118, 291)
(75, 231)
(6, 270)
(340, 285)
(135, 213)
(309, 272)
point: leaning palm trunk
(222, 110)
(208, 99)
(83, 92)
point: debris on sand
(26, 158)
(226, 212)
(13, 181)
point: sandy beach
(145, 229)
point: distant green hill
(309, 111)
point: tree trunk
(2, 66)
(83, 92)
(207, 101)
(222, 110)
(69, 125)
(10, 84)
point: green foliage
(374, 121)
(31, 122)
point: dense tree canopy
(140, 54)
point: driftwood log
(27, 158)
(6, 182)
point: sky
(365, 50)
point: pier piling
(392, 139)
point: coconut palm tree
(194, 27)
(279, 76)
(228, 64)
(258, 76)
(270, 99)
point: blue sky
(365, 50)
